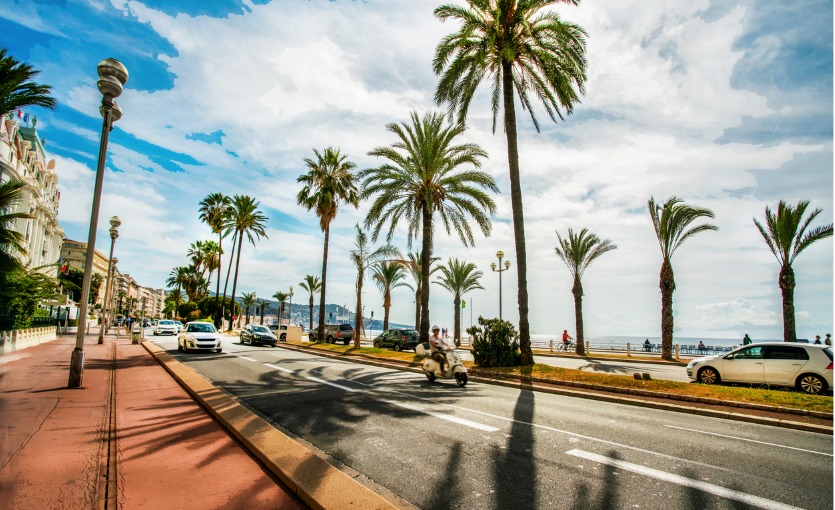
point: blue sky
(727, 104)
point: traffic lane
(359, 415)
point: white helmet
(435, 328)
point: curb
(680, 408)
(317, 483)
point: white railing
(18, 339)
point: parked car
(398, 339)
(334, 333)
(179, 326)
(804, 366)
(166, 327)
(200, 336)
(256, 334)
(280, 330)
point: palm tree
(786, 236)
(329, 181)
(11, 241)
(459, 277)
(16, 88)
(578, 251)
(176, 278)
(282, 298)
(211, 260)
(415, 265)
(312, 285)
(245, 219)
(389, 275)
(197, 253)
(671, 222)
(364, 257)
(193, 283)
(213, 211)
(422, 177)
(513, 45)
(248, 299)
(262, 303)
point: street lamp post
(290, 312)
(500, 255)
(112, 77)
(106, 315)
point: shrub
(495, 343)
(72, 322)
(194, 316)
(185, 309)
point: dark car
(398, 339)
(256, 334)
(279, 330)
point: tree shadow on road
(515, 472)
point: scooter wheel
(430, 376)
(461, 379)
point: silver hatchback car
(806, 367)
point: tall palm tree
(16, 88)
(193, 283)
(786, 236)
(245, 219)
(415, 266)
(312, 285)
(364, 257)
(262, 303)
(389, 275)
(211, 260)
(459, 277)
(11, 241)
(672, 227)
(513, 45)
(422, 177)
(176, 278)
(282, 298)
(578, 251)
(197, 253)
(213, 211)
(329, 181)
(247, 300)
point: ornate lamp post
(500, 255)
(106, 313)
(290, 313)
(112, 77)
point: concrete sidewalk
(130, 438)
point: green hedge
(495, 343)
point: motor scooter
(432, 369)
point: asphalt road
(482, 446)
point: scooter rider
(438, 346)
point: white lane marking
(279, 368)
(246, 358)
(749, 440)
(716, 490)
(346, 388)
(453, 419)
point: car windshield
(167, 323)
(202, 327)
(260, 329)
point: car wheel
(284, 337)
(398, 347)
(709, 375)
(430, 376)
(345, 342)
(376, 345)
(219, 351)
(329, 340)
(811, 384)
(179, 347)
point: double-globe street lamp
(107, 316)
(112, 77)
(500, 255)
(290, 313)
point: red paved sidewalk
(168, 452)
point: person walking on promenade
(702, 348)
(746, 340)
(828, 339)
(817, 340)
(647, 345)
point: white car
(199, 336)
(180, 326)
(165, 327)
(804, 366)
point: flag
(20, 114)
(26, 118)
(65, 267)
(463, 303)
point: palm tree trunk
(229, 272)
(177, 301)
(235, 280)
(577, 290)
(310, 326)
(386, 307)
(417, 306)
(324, 280)
(358, 320)
(426, 212)
(668, 285)
(518, 219)
(247, 315)
(787, 284)
(217, 284)
(457, 329)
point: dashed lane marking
(346, 388)
(749, 440)
(453, 419)
(287, 370)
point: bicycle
(567, 346)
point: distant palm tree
(312, 285)
(176, 278)
(329, 181)
(422, 177)
(11, 241)
(518, 45)
(245, 219)
(247, 300)
(211, 260)
(16, 88)
(578, 251)
(671, 222)
(364, 257)
(262, 303)
(193, 283)
(786, 236)
(197, 253)
(415, 265)
(214, 210)
(459, 278)
(389, 275)
(282, 298)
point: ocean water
(637, 341)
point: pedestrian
(702, 348)
(746, 340)
(828, 339)
(647, 345)
(817, 339)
